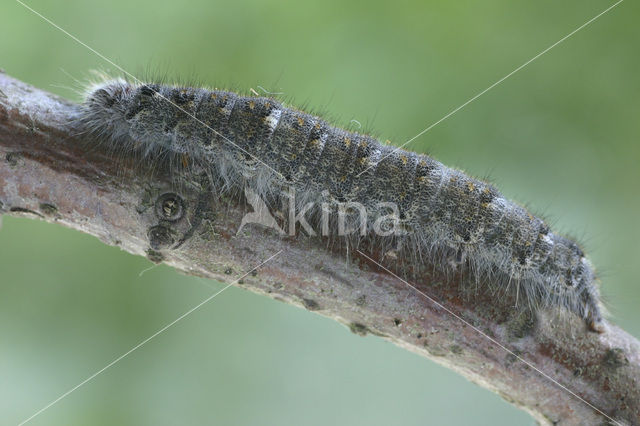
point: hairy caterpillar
(445, 215)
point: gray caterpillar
(258, 142)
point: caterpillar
(259, 143)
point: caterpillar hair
(413, 203)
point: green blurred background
(561, 135)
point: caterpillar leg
(593, 316)
(595, 324)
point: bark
(50, 171)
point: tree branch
(49, 171)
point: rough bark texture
(49, 171)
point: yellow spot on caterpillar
(347, 142)
(314, 142)
(471, 186)
(213, 95)
(267, 104)
(185, 160)
(252, 104)
(402, 195)
(300, 121)
(317, 126)
(362, 160)
(293, 156)
(423, 163)
(404, 159)
(343, 178)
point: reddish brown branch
(47, 171)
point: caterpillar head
(104, 109)
(142, 116)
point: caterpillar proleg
(438, 212)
